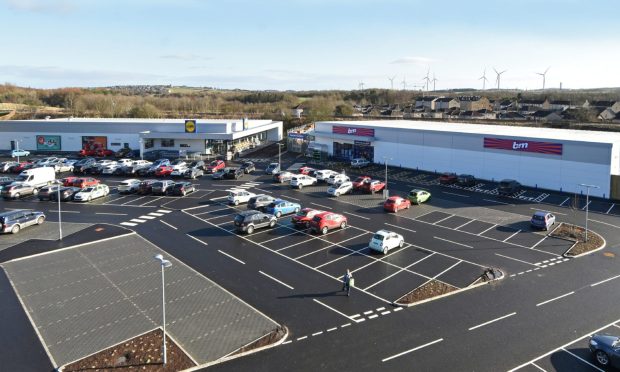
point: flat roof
(484, 129)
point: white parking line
(605, 281)
(555, 298)
(196, 239)
(538, 242)
(56, 211)
(537, 366)
(200, 206)
(147, 217)
(518, 231)
(155, 214)
(169, 225)
(334, 310)
(480, 233)
(516, 259)
(466, 223)
(610, 208)
(400, 227)
(112, 214)
(411, 350)
(356, 215)
(267, 191)
(276, 280)
(565, 200)
(492, 321)
(450, 241)
(322, 206)
(583, 360)
(137, 220)
(604, 223)
(398, 272)
(443, 219)
(455, 194)
(234, 258)
(497, 201)
(586, 206)
(128, 224)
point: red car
(323, 222)
(103, 153)
(68, 182)
(305, 170)
(85, 182)
(215, 166)
(304, 216)
(396, 203)
(372, 186)
(164, 171)
(85, 152)
(361, 181)
(448, 178)
(21, 166)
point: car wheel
(15, 229)
(297, 210)
(272, 223)
(343, 225)
(278, 214)
(89, 198)
(396, 210)
(250, 229)
(401, 244)
(602, 358)
(35, 191)
(385, 250)
(40, 220)
(301, 186)
(307, 225)
(17, 196)
(337, 194)
(324, 230)
(236, 202)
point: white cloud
(413, 60)
(185, 57)
(42, 6)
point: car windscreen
(21, 178)
(239, 218)
(179, 185)
(88, 189)
(316, 219)
(158, 184)
(378, 237)
(390, 201)
(538, 217)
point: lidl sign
(190, 126)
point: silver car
(14, 221)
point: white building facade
(554, 159)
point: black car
(66, 193)
(234, 173)
(248, 221)
(182, 188)
(194, 173)
(146, 187)
(508, 187)
(260, 202)
(248, 167)
(83, 164)
(466, 180)
(197, 164)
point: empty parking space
(308, 246)
(374, 273)
(461, 275)
(453, 222)
(433, 266)
(476, 227)
(47, 231)
(527, 238)
(434, 216)
(554, 245)
(397, 285)
(500, 232)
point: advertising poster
(48, 143)
(94, 143)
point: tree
(145, 110)
(343, 110)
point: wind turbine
(484, 79)
(360, 86)
(544, 76)
(499, 76)
(427, 79)
(404, 82)
(391, 79)
(434, 80)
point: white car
(359, 163)
(237, 197)
(104, 163)
(337, 179)
(129, 186)
(47, 162)
(92, 192)
(323, 175)
(124, 161)
(63, 166)
(300, 180)
(111, 169)
(178, 171)
(18, 152)
(343, 188)
(384, 240)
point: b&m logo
(351, 130)
(519, 145)
(525, 146)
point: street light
(58, 183)
(279, 154)
(164, 263)
(588, 187)
(141, 141)
(17, 148)
(387, 192)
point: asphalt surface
(543, 302)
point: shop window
(167, 143)
(184, 145)
(149, 143)
(115, 144)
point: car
(87, 152)
(260, 202)
(383, 241)
(280, 207)
(18, 152)
(182, 188)
(162, 187)
(248, 221)
(4, 184)
(300, 180)
(178, 172)
(323, 222)
(19, 167)
(129, 186)
(163, 171)
(92, 192)
(98, 167)
(215, 165)
(113, 169)
(134, 167)
(304, 216)
(66, 193)
(179, 164)
(125, 152)
(508, 187)
(282, 177)
(272, 168)
(104, 152)
(305, 170)
(146, 187)
(5, 166)
(13, 221)
(248, 167)
(234, 173)
(46, 162)
(448, 178)
(337, 179)
(80, 166)
(68, 181)
(236, 197)
(63, 166)
(359, 163)
(341, 189)
(606, 349)
(417, 196)
(396, 203)
(466, 180)
(360, 181)
(219, 174)
(324, 175)
(372, 186)
(18, 189)
(85, 182)
(542, 220)
(46, 192)
(194, 173)
(197, 164)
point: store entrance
(365, 151)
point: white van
(37, 177)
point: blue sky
(309, 44)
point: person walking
(347, 282)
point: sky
(310, 44)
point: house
(503, 105)
(607, 115)
(512, 115)
(297, 111)
(545, 115)
(444, 103)
(559, 105)
(614, 105)
(474, 103)
(487, 114)
(532, 104)
(617, 118)
(393, 113)
(424, 102)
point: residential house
(545, 115)
(617, 118)
(474, 103)
(532, 104)
(602, 105)
(559, 105)
(607, 114)
(503, 105)
(297, 111)
(444, 103)
(512, 115)
(424, 102)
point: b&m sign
(526, 146)
(353, 131)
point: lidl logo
(190, 126)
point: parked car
(299, 181)
(63, 166)
(37, 177)
(359, 163)
(343, 188)
(606, 349)
(448, 178)
(5, 166)
(305, 170)
(80, 166)
(182, 188)
(18, 152)
(104, 152)
(4, 184)
(542, 220)
(219, 174)
(215, 165)
(237, 197)
(200, 164)
(396, 203)
(179, 164)
(146, 187)
(14, 221)
(194, 173)
(282, 177)
(323, 222)
(129, 186)
(324, 175)
(234, 173)
(466, 180)
(383, 241)
(304, 216)
(162, 187)
(280, 207)
(90, 193)
(178, 172)
(87, 152)
(508, 187)
(248, 221)
(248, 167)
(372, 186)
(19, 167)
(260, 202)
(360, 181)
(46, 192)
(98, 167)
(68, 181)
(273, 168)
(337, 179)
(417, 196)
(85, 182)
(17, 190)
(125, 152)
(163, 171)
(66, 193)
(46, 162)
(134, 167)
(113, 169)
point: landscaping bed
(268, 339)
(431, 289)
(143, 353)
(577, 234)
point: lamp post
(387, 192)
(588, 187)
(163, 263)
(141, 141)
(58, 183)
(17, 148)
(280, 154)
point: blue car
(279, 207)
